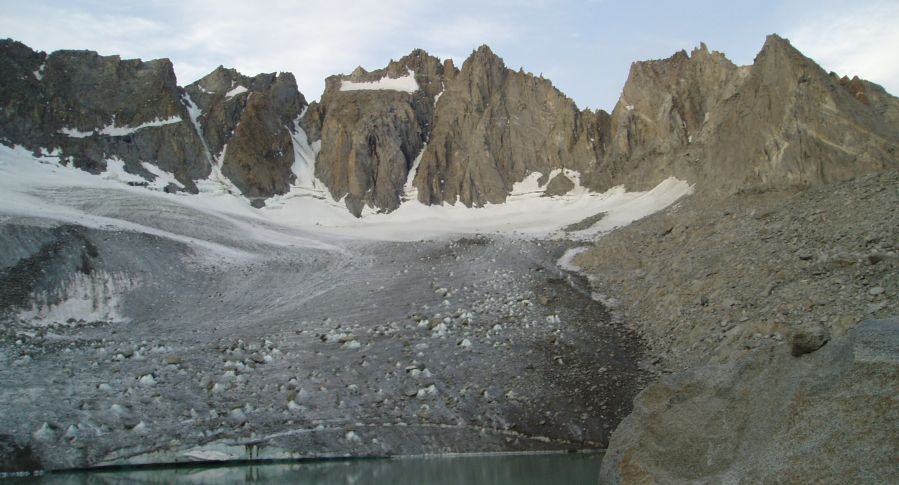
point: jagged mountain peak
(775, 41)
(485, 51)
(483, 56)
(417, 56)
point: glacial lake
(505, 469)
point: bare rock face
(494, 126)
(792, 125)
(22, 119)
(247, 124)
(826, 417)
(873, 95)
(477, 132)
(782, 122)
(94, 108)
(371, 135)
(665, 107)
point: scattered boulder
(559, 185)
(808, 338)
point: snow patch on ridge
(636, 205)
(306, 185)
(163, 179)
(115, 170)
(235, 92)
(74, 133)
(442, 90)
(531, 184)
(406, 84)
(217, 183)
(195, 113)
(112, 130)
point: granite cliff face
(666, 104)
(247, 124)
(372, 126)
(781, 122)
(90, 109)
(93, 108)
(453, 135)
(494, 126)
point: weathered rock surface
(247, 123)
(477, 131)
(558, 185)
(666, 104)
(494, 126)
(709, 280)
(825, 417)
(371, 137)
(779, 123)
(782, 122)
(93, 108)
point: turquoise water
(557, 469)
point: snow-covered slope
(308, 216)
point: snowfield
(308, 208)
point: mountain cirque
(427, 129)
(791, 235)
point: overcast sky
(584, 46)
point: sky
(584, 46)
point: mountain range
(424, 128)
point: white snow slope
(308, 216)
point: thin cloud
(862, 41)
(463, 32)
(584, 46)
(312, 39)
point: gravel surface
(707, 281)
(276, 351)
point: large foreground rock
(825, 417)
